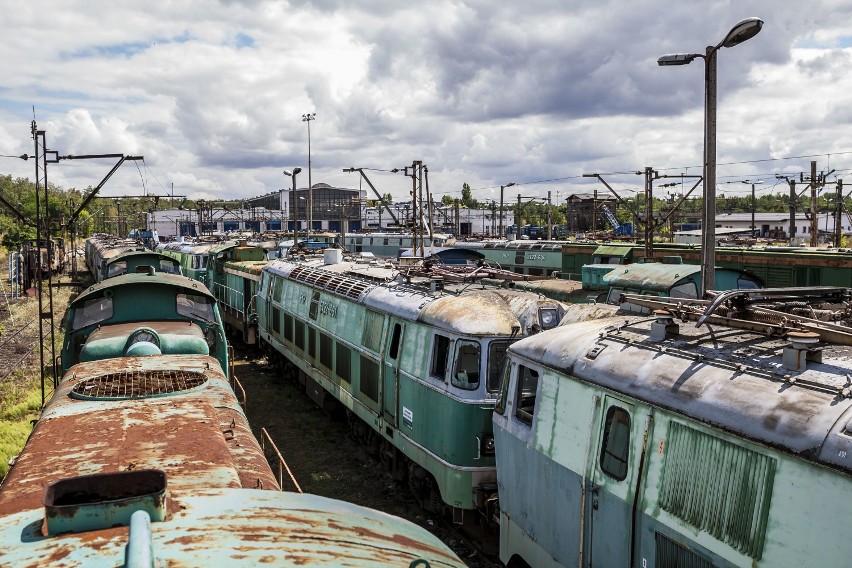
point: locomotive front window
(169, 266)
(496, 360)
(195, 306)
(466, 375)
(92, 311)
(116, 268)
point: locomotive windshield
(195, 306)
(91, 312)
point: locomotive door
(610, 496)
(390, 377)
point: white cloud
(483, 93)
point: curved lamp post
(742, 31)
(292, 174)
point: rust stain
(180, 434)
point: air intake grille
(718, 487)
(341, 285)
(138, 384)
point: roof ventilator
(664, 327)
(802, 348)
(103, 500)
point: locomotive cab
(143, 314)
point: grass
(20, 392)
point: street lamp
(292, 174)
(742, 31)
(308, 117)
(502, 213)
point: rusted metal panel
(200, 438)
(239, 527)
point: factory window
(300, 334)
(615, 446)
(370, 378)
(343, 360)
(525, 399)
(466, 374)
(325, 350)
(288, 327)
(440, 354)
(276, 321)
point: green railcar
(137, 315)
(193, 257)
(417, 363)
(625, 442)
(234, 273)
(776, 266)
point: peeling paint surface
(238, 527)
(200, 438)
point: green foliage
(447, 200)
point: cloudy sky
(483, 92)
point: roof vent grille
(138, 384)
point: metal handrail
(281, 463)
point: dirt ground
(323, 458)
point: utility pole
(595, 214)
(814, 213)
(549, 218)
(838, 211)
(792, 183)
(649, 213)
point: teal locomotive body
(159, 443)
(419, 366)
(644, 442)
(143, 314)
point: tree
(467, 199)
(447, 200)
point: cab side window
(525, 396)
(440, 356)
(615, 446)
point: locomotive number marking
(660, 446)
(328, 309)
(535, 257)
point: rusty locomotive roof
(468, 308)
(140, 413)
(239, 527)
(733, 379)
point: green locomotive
(629, 441)
(416, 364)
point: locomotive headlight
(486, 445)
(548, 317)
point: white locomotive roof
(729, 378)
